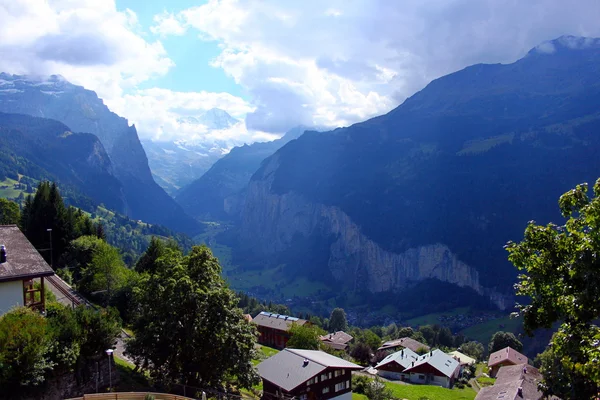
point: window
(330, 375)
(323, 377)
(303, 397)
(326, 389)
(338, 372)
(347, 384)
(422, 377)
(310, 381)
(340, 386)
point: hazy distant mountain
(436, 187)
(205, 197)
(80, 109)
(175, 164)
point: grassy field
(7, 189)
(417, 392)
(431, 319)
(483, 332)
(484, 381)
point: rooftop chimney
(305, 363)
(2, 254)
(520, 391)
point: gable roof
(438, 360)
(406, 342)
(509, 379)
(22, 259)
(340, 337)
(276, 321)
(463, 359)
(288, 369)
(404, 357)
(507, 354)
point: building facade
(274, 329)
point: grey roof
(406, 342)
(339, 338)
(510, 379)
(463, 359)
(438, 360)
(288, 370)
(507, 354)
(518, 372)
(276, 321)
(22, 259)
(404, 357)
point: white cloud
(168, 24)
(338, 62)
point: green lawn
(485, 381)
(417, 392)
(7, 189)
(357, 396)
(130, 380)
(431, 319)
(483, 332)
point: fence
(130, 396)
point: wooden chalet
(20, 266)
(434, 368)
(506, 356)
(274, 329)
(306, 375)
(339, 340)
(403, 343)
(515, 382)
(393, 366)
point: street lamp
(49, 230)
(109, 353)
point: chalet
(463, 359)
(339, 340)
(393, 366)
(514, 382)
(306, 375)
(506, 356)
(274, 329)
(403, 343)
(434, 368)
(20, 266)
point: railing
(130, 396)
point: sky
(271, 64)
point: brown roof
(22, 259)
(340, 337)
(507, 354)
(405, 342)
(277, 321)
(510, 379)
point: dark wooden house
(274, 329)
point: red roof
(507, 354)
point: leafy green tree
(24, 349)
(305, 337)
(361, 352)
(9, 212)
(377, 390)
(472, 349)
(105, 273)
(391, 331)
(429, 334)
(148, 260)
(502, 339)
(337, 320)
(561, 269)
(187, 327)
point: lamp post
(109, 353)
(49, 230)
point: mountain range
(216, 195)
(176, 163)
(434, 188)
(82, 111)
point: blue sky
(192, 56)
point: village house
(506, 356)
(514, 382)
(403, 343)
(393, 366)
(20, 266)
(306, 375)
(339, 340)
(434, 368)
(274, 329)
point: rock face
(272, 222)
(436, 187)
(80, 109)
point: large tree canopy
(502, 339)
(337, 320)
(561, 271)
(187, 324)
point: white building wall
(11, 295)
(390, 375)
(345, 396)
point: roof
(277, 321)
(288, 369)
(509, 379)
(340, 338)
(438, 360)
(507, 354)
(463, 359)
(404, 357)
(406, 342)
(22, 259)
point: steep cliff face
(272, 222)
(436, 187)
(80, 109)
